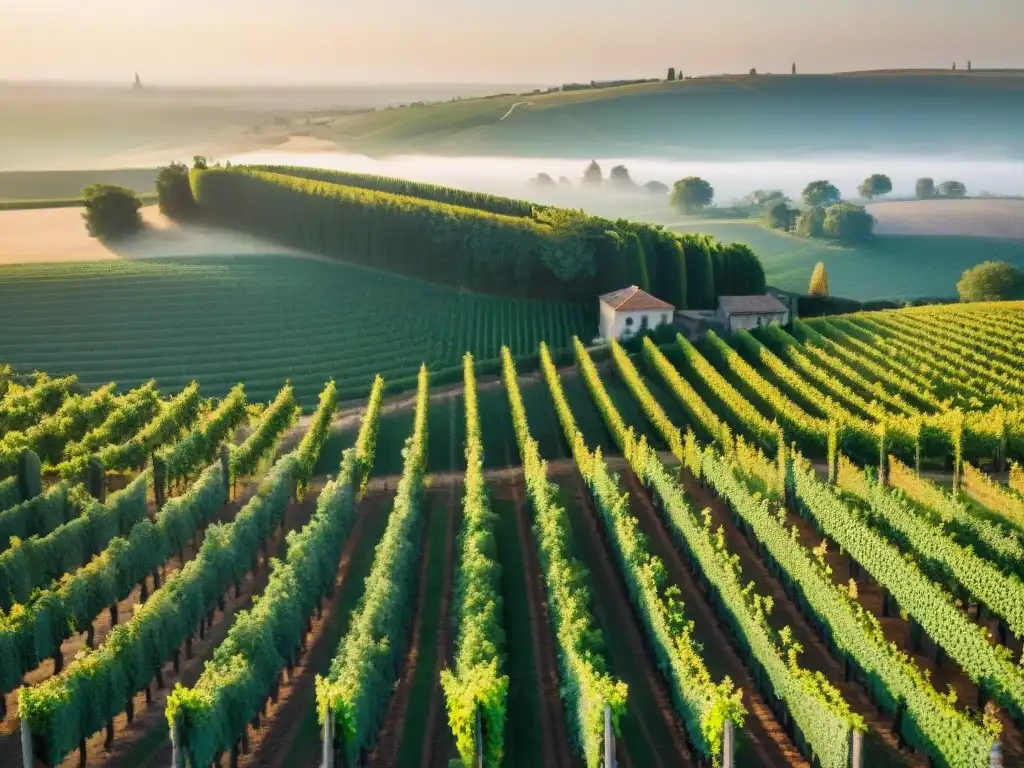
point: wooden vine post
(30, 482)
(1001, 448)
(995, 755)
(159, 481)
(177, 753)
(833, 451)
(479, 740)
(609, 738)
(225, 464)
(856, 749)
(27, 758)
(327, 753)
(96, 479)
(727, 745)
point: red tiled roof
(633, 299)
(765, 304)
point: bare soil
(272, 742)
(438, 742)
(59, 235)
(651, 731)
(767, 741)
(556, 749)
(973, 218)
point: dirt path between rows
(767, 742)
(657, 737)
(881, 745)
(555, 742)
(389, 740)
(271, 743)
(438, 741)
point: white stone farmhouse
(743, 313)
(631, 310)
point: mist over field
(731, 179)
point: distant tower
(794, 68)
(671, 74)
(968, 65)
(137, 85)
(954, 66)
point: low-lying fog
(731, 179)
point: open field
(57, 234)
(998, 219)
(891, 266)
(622, 500)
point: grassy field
(891, 266)
(258, 319)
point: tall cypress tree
(671, 285)
(700, 275)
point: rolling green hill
(764, 114)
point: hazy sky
(514, 41)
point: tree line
(555, 253)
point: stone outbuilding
(744, 313)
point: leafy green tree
(991, 281)
(691, 194)
(952, 189)
(592, 176)
(925, 188)
(819, 281)
(811, 223)
(200, 163)
(656, 187)
(848, 222)
(874, 185)
(619, 178)
(564, 182)
(765, 196)
(542, 180)
(111, 211)
(174, 192)
(777, 214)
(821, 193)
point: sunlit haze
(341, 41)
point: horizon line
(186, 85)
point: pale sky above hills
(490, 41)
